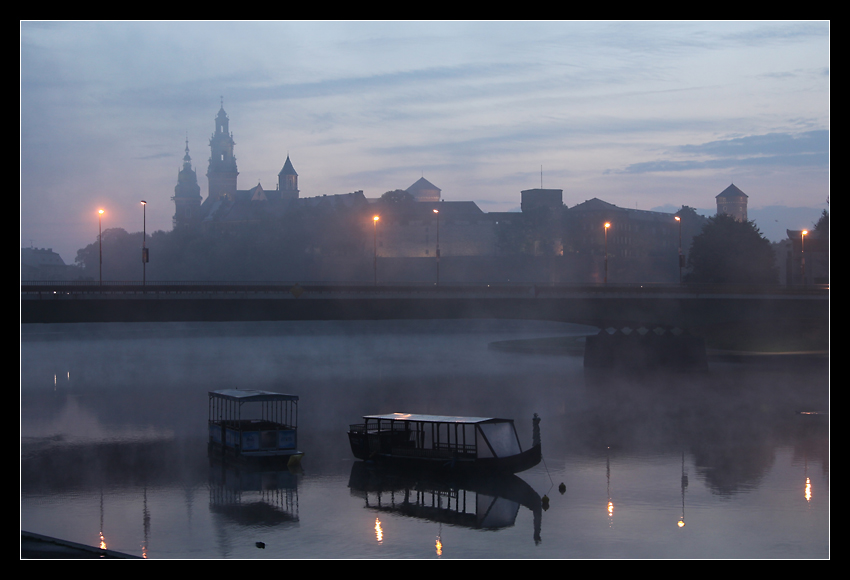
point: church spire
(187, 161)
(222, 171)
(287, 181)
(187, 193)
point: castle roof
(422, 184)
(732, 191)
(287, 168)
(596, 204)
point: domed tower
(222, 171)
(732, 201)
(187, 194)
(287, 181)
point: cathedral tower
(222, 171)
(187, 194)
(287, 181)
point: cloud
(808, 149)
(778, 144)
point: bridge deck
(683, 306)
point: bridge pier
(659, 349)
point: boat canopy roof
(436, 418)
(246, 396)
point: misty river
(731, 463)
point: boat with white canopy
(444, 442)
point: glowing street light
(681, 522)
(681, 255)
(100, 244)
(144, 249)
(803, 254)
(436, 211)
(607, 225)
(375, 221)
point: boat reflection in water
(488, 502)
(253, 493)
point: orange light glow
(808, 489)
(607, 225)
(677, 218)
(805, 232)
(681, 523)
(376, 218)
(436, 211)
(611, 508)
(102, 541)
(439, 547)
(379, 533)
(100, 211)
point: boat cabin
(434, 437)
(250, 423)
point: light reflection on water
(113, 419)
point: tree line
(271, 249)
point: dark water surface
(113, 447)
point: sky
(646, 115)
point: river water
(725, 464)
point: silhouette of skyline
(640, 114)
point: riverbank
(38, 547)
(767, 351)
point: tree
(822, 224)
(731, 252)
(397, 196)
(122, 256)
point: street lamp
(144, 249)
(607, 225)
(681, 255)
(100, 244)
(803, 255)
(375, 221)
(436, 211)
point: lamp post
(375, 263)
(144, 250)
(100, 245)
(803, 255)
(607, 225)
(436, 211)
(681, 255)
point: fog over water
(113, 441)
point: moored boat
(249, 424)
(444, 442)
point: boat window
(502, 438)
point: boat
(250, 424)
(442, 442)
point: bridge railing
(43, 288)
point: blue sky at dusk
(647, 115)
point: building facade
(637, 246)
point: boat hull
(510, 464)
(287, 457)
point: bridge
(603, 306)
(679, 316)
